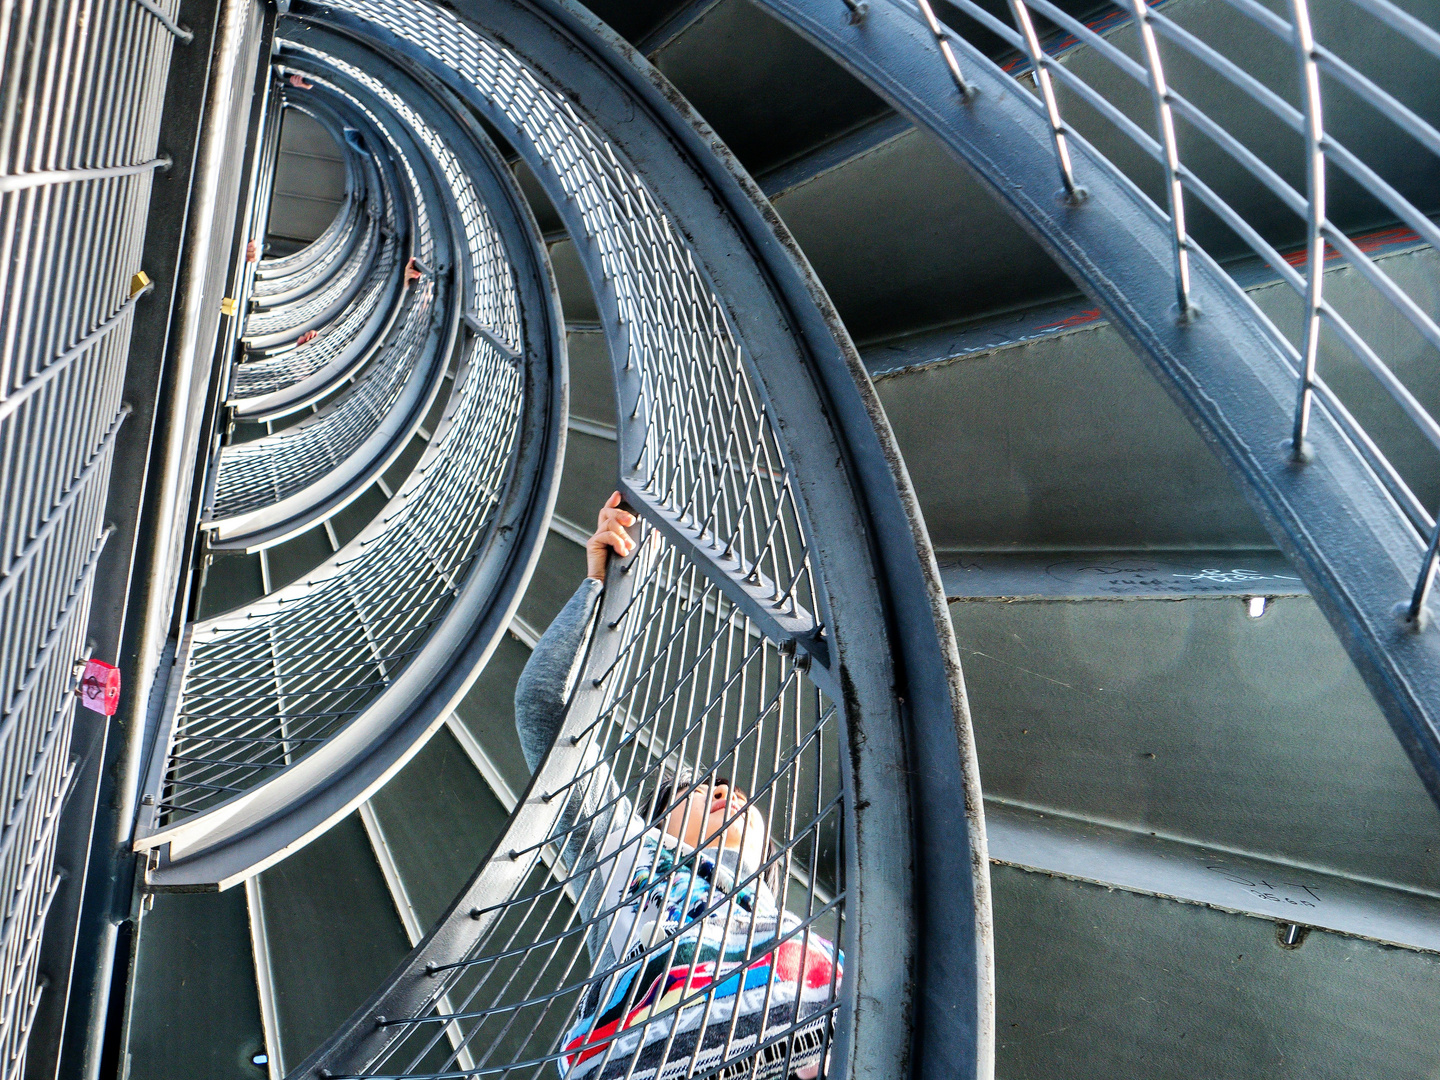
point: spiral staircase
(1083, 347)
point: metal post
(1315, 233)
(1174, 190)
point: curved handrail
(1327, 473)
(783, 554)
(274, 488)
(280, 381)
(309, 267)
(369, 254)
(292, 712)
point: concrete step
(1199, 697)
(1041, 429)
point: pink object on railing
(100, 687)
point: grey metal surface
(1139, 862)
(310, 184)
(1120, 575)
(1197, 720)
(1105, 983)
(661, 457)
(332, 933)
(195, 1010)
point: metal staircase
(1135, 425)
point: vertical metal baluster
(1021, 14)
(945, 50)
(1414, 611)
(1174, 190)
(1314, 225)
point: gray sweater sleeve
(540, 693)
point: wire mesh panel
(605, 937)
(299, 673)
(609, 948)
(265, 686)
(79, 126)
(306, 464)
(353, 299)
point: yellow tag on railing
(228, 306)
(138, 283)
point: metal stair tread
(977, 337)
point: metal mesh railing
(347, 335)
(707, 658)
(1257, 132)
(270, 324)
(328, 245)
(350, 337)
(730, 967)
(264, 687)
(80, 100)
(255, 475)
(263, 472)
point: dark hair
(672, 787)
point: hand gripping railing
(286, 715)
(780, 624)
(74, 203)
(1341, 467)
(271, 489)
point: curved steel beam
(1228, 371)
(890, 654)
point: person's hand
(252, 251)
(610, 535)
(299, 81)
